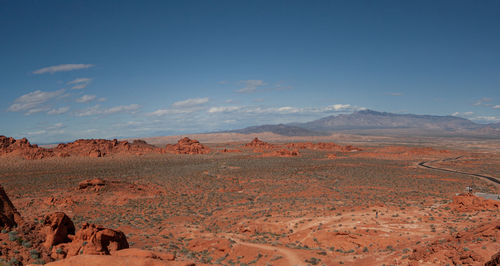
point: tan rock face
(187, 146)
(57, 227)
(9, 216)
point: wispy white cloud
(98, 110)
(488, 119)
(338, 107)
(56, 126)
(122, 108)
(79, 80)
(58, 111)
(61, 68)
(182, 107)
(48, 130)
(36, 110)
(250, 85)
(162, 112)
(483, 101)
(33, 102)
(80, 86)
(37, 132)
(79, 83)
(462, 113)
(190, 102)
(395, 93)
(223, 109)
(283, 109)
(86, 98)
(477, 118)
(496, 106)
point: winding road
(424, 164)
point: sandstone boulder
(99, 260)
(57, 227)
(256, 143)
(187, 146)
(95, 184)
(96, 240)
(9, 216)
(469, 202)
(495, 260)
(135, 252)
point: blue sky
(87, 69)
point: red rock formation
(22, 148)
(226, 150)
(453, 249)
(99, 260)
(256, 143)
(469, 202)
(9, 216)
(96, 240)
(95, 184)
(495, 260)
(82, 147)
(140, 253)
(56, 228)
(103, 147)
(90, 239)
(187, 146)
(282, 153)
(324, 146)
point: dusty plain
(237, 206)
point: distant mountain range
(280, 129)
(369, 120)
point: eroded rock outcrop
(55, 238)
(57, 227)
(453, 250)
(10, 147)
(495, 260)
(260, 145)
(323, 146)
(282, 153)
(271, 150)
(9, 216)
(95, 184)
(187, 146)
(103, 147)
(469, 202)
(96, 240)
(91, 239)
(99, 260)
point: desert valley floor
(280, 204)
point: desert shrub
(313, 261)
